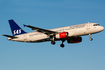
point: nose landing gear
(90, 37)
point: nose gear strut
(90, 37)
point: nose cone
(102, 28)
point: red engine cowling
(62, 35)
(75, 40)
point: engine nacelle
(75, 40)
(62, 35)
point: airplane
(70, 33)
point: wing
(47, 32)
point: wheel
(52, 42)
(62, 45)
(91, 39)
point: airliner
(70, 33)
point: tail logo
(15, 28)
(17, 32)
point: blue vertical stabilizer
(15, 28)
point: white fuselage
(75, 30)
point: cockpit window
(96, 25)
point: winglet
(24, 25)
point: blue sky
(87, 55)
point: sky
(48, 14)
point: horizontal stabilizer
(10, 36)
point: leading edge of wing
(41, 30)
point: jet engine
(75, 40)
(62, 35)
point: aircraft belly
(38, 37)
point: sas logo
(17, 32)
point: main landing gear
(62, 45)
(90, 37)
(53, 42)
